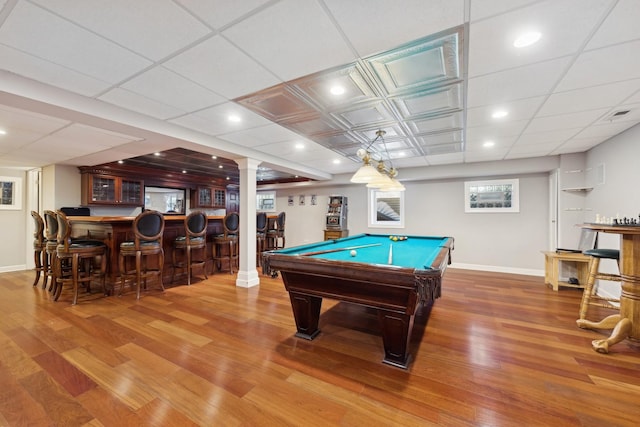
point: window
(492, 196)
(386, 209)
(266, 201)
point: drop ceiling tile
(491, 40)
(262, 135)
(170, 88)
(578, 145)
(436, 101)
(273, 38)
(565, 121)
(50, 73)
(234, 76)
(604, 131)
(374, 26)
(602, 66)
(214, 120)
(420, 65)
(445, 159)
(503, 129)
(534, 150)
(440, 149)
(589, 98)
(410, 162)
(505, 86)
(486, 8)
(484, 156)
(122, 20)
(556, 136)
(500, 143)
(220, 13)
(522, 109)
(135, 102)
(621, 25)
(47, 36)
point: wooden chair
(81, 256)
(195, 225)
(148, 230)
(261, 236)
(275, 235)
(39, 248)
(225, 246)
(589, 294)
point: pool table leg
(396, 332)
(306, 311)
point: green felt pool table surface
(417, 252)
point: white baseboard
(498, 269)
(8, 268)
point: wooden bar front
(114, 230)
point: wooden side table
(553, 262)
(335, 234)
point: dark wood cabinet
(111, 190)
(208, 197)
(233, 200)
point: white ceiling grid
(185, 63)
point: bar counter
(114, 230)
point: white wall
(618, 193)
(13, 229)
(489, 241)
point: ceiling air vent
(616, 115)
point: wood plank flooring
(495, 350)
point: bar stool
(261, 236)
(276, 233)
(589, 294)
(148, 229)
(80, 255)
(51, 247)
(225, 246)
(39, 247)
(195, 226)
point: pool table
(395, 284)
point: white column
(247, 274)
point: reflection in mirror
(164, 199)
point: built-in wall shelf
(578, 189)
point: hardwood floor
(495, 350)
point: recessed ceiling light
(184, 171)
(220, 166)
(488, 144)
(337, 90)
(498, 114)
(156, 154)
(120, 161)
(527, 39)
(214, 157)
(3, 132)
(228, 178)
(336, 161)
(233, 118)
(299, 145)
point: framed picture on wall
(10, 193)
(500, 195)
(386, 209)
